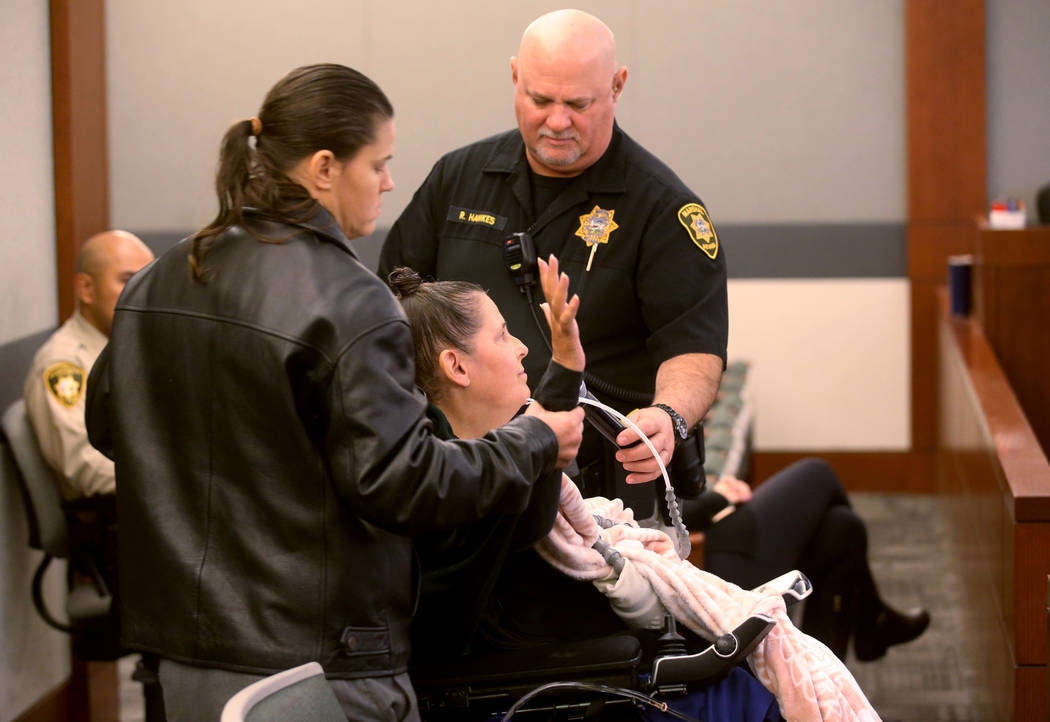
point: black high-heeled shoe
(889, 628)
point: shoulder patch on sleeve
(65, 381)
(701, 230)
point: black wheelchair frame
(606, 678)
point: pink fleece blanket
(809, 682)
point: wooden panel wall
(78, 100)
(78, 96)
(870, 471)
(1011, 278)
(947, 168)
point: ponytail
(231, 182)
(315, 107)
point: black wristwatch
(681, 429)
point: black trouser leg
(146, 673)
(842, 586)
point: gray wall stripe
(819, 250)
(848, 250)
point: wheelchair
(608, 678)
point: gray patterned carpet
(928, 680)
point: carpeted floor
(929, 680)
(932, 678)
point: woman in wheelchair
(469, 365)
(484, 588)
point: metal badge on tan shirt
(694, 218)
(595, 228)
(65, 381)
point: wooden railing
(994, 475)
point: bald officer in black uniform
(639, 246)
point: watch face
(676, 421)
(679, 425)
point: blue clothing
(737, 698)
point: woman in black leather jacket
(272, 453)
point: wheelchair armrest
(726, 652)
(793, 586)
(579, 659)
(492, 682)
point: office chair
(82, 532)
(90, 599)
(299, 694)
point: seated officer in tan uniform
(57, 382)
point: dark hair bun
(404, 281)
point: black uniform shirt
(657, 283)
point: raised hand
(560, 311)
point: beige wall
(1018, 100)
(772, 112)
(33, 657)
(831, 358)
(27, 236)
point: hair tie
(256, 125)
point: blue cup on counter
(960, 275)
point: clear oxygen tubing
(681, 536)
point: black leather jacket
(271, 449)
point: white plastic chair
(299, 694)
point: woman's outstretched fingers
(560, 312)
